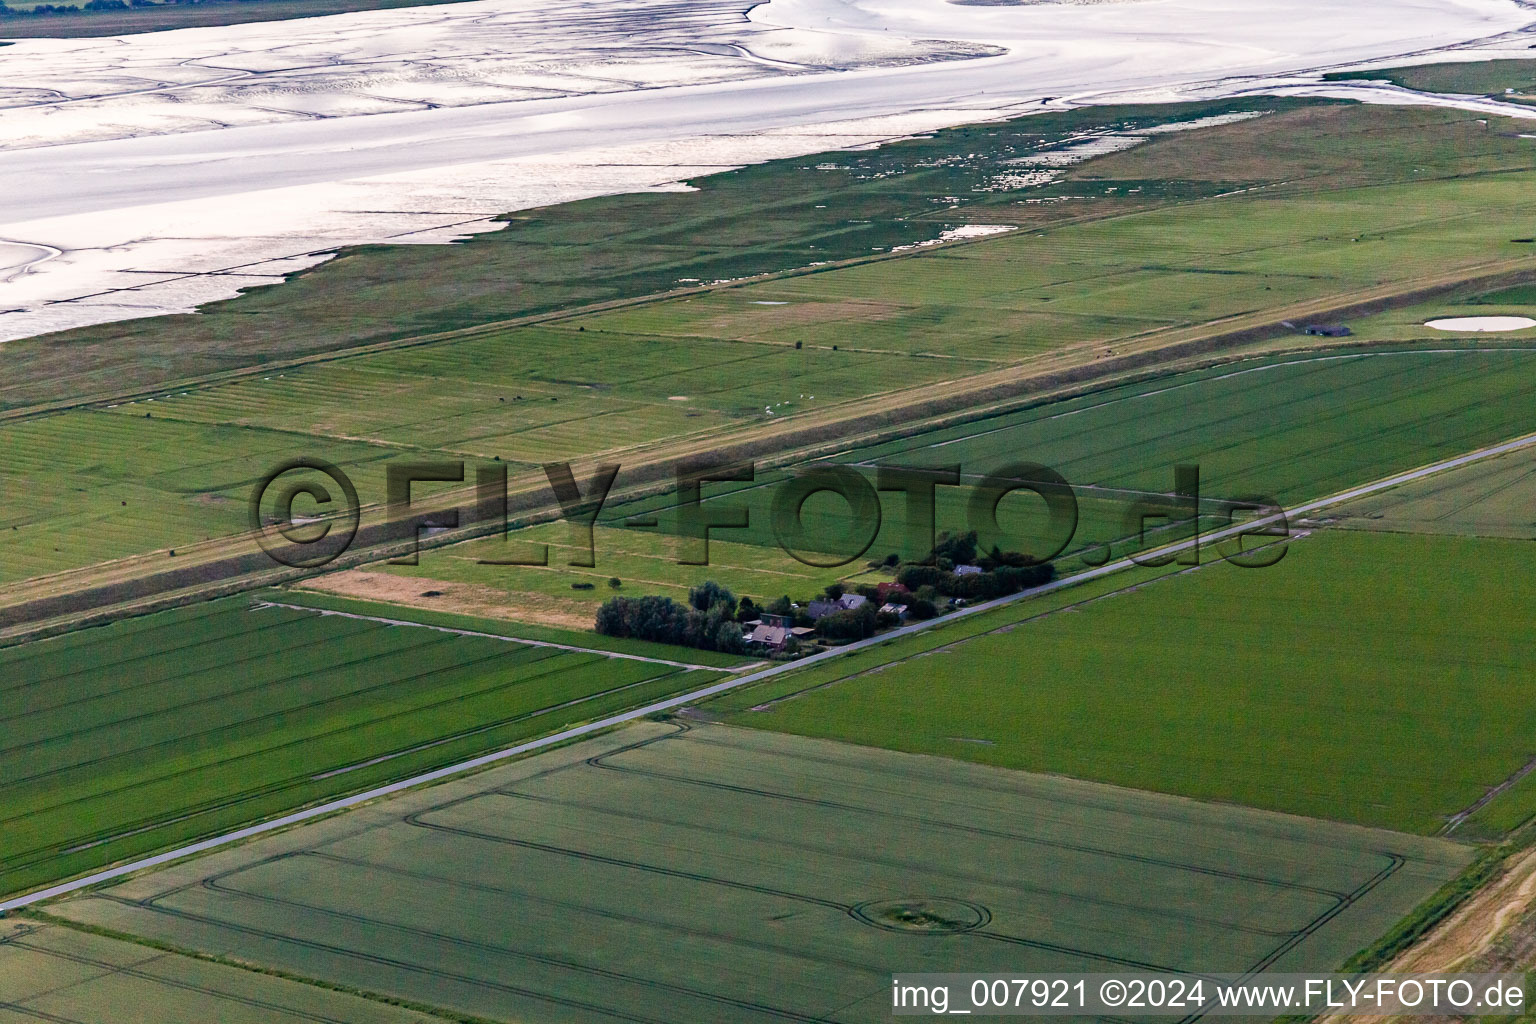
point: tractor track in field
(1455, 820)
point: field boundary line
(589, 728)
(686, 666)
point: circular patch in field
(1483, 324)
(923, 915)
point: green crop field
(1371, 678)
(667, 874)
(133, 737)
(69, 976)
(1495, 498)
(1282, 427)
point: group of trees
(851, 623)
(707, 621)
(983, 586)
(1002, 573)
(713, 617)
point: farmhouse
(848, 602)
(774, 637)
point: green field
(426, 615)
(1495, 498)
(1285, 427)
(1288, 428)
(140, 735)
(769, 218)
(68, 976)
(666, 874)
(170, 470)
(1109, 280)
(1489, 77)
(1377, 679)
(1406, 324)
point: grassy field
(61, 974)
(730, 875)
(1489, 78)
(170, 470)
(629, 246)
(108, 483)
(1407, 323)
(646, 563)
(1367, 678)
(136, 736)
(1286, 427)
(1108, 280)
(529, 631)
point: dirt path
(1471, 930)
(448, 596)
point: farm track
(69, 599)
